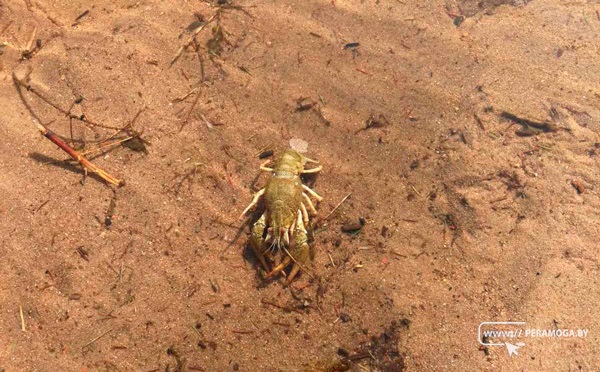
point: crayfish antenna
(274, 245)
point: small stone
(385, 231)
(578, 186)
(345, 318)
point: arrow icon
(512, 349)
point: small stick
(331, 259)
(6, 27)
(285, 308)
(498, 199)
(207, 303)
(191, 40)
(42, 205)
(208, 124)
(96, 339)
(197, 331)
(18, 84)
(263, 149)
(22, 318)
(200, 60)
(86, 12)
(75, 155)
(179, 99)
(107, 145)
(479, 122)
(409, 220)
(31, 42)
(337, 206)
(189, 114)
(415, 190)
(398, 254)
(242, 332)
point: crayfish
(282, 228)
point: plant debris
(381, 353)
(529, 127)
(110, 212)
(214, 45)
(87, 165)
(136, 144)
(79, 17)
(305, 103)
(194, 25)
(83, 253)
(180, 362)
(374, 121)
(353, 227)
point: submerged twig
(77, 156)
(191, 39)
(337, 206)
(21, 84)
(96, 339)
(22, 318)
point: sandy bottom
(465, 132)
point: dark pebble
(345, 318)
(343, 352)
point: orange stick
(75, 155)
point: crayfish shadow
(250, 257)
(309, 179)
(258, 211)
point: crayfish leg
(310, 205)
(295, 270)
(279, 268)
(311, 192)
(253, 203)
(264, 167)
(304, 212)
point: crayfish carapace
(280, 237)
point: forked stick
(75, 155)
(191, 39)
